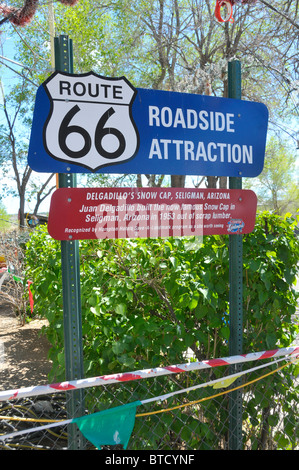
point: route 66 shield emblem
(90, 122)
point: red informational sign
(90, 213)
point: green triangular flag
(109, 427)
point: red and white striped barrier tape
(144, 374)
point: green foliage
(44, 269)
(270, 265)
(4, 219)
(145, 302)
(276, 186)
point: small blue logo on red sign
(235, 226)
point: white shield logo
(90, 123)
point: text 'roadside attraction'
(88, 123)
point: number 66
(66, 129)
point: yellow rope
(213, 396)
(15, 418)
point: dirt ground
(23, 352)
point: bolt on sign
(89, 123)
(90, 213)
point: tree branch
(280, 13)
(39, 197)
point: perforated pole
(236, 289)
(70, 266)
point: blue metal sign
(89, 123)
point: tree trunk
(22, 211)
(265, 429)
(212, 181)
(139, 181)
(178, 181)
(223, 182)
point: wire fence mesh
(196, 419)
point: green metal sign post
(72, 320)
(236, 289)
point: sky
(11, 203)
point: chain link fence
(184, 420)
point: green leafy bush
(146, 302)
